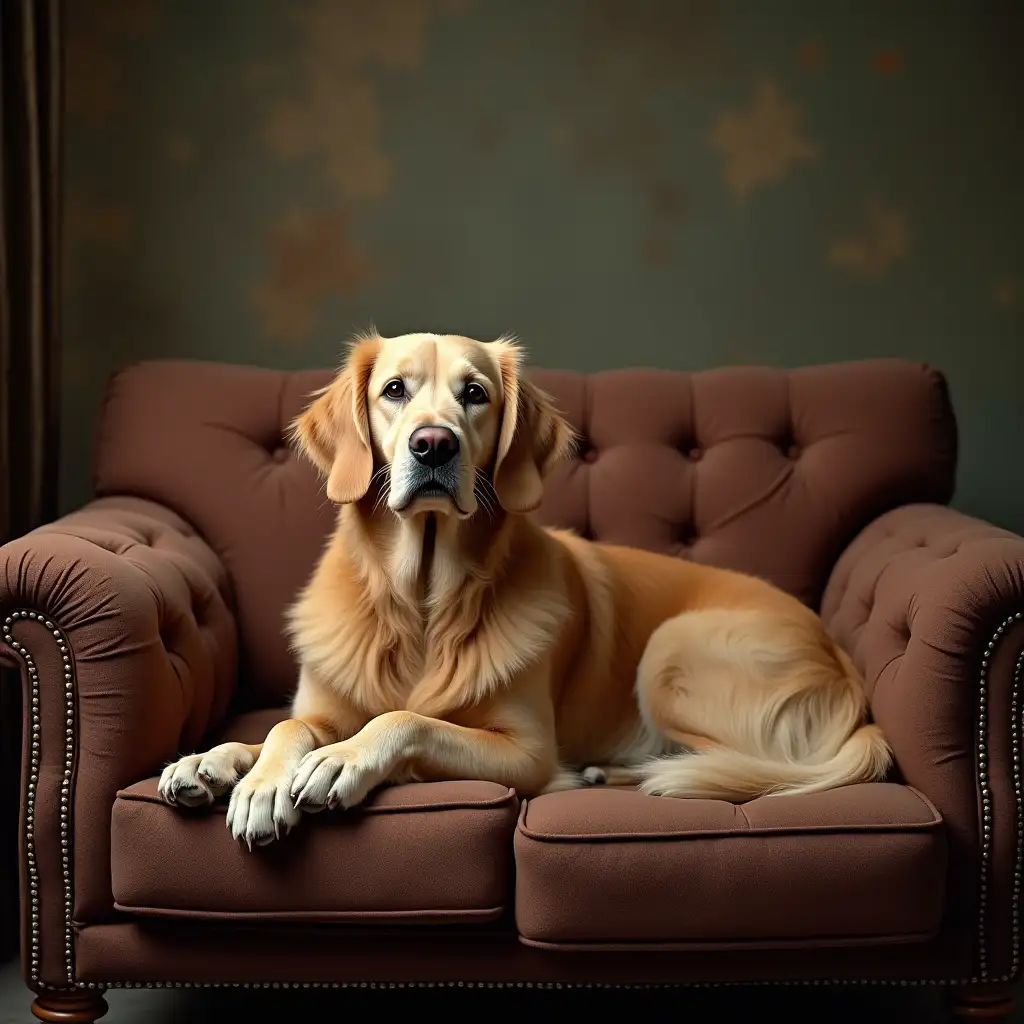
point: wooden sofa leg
(993, 1004)
(70, 1007)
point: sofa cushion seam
(507, 798)
(590, 838)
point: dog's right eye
(394, 389)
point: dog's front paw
(338, 775)
(200, 778)
(261, 808)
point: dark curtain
(30, 86)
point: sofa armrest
(118, 616)
(930, 604)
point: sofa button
(695, 454)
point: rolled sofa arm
(119, 618)
(930, 604)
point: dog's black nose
(433, 446)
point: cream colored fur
(450, 637)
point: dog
(446, 635)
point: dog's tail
(722, 774)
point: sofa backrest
(768, 471)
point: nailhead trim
(1017, 726)
(102, 986)
(985, 796)
(985, 792)
(65, 794)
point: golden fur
(450, 637)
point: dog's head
(445, 423)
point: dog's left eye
(394, 389)
(474, 394)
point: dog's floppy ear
(533, 436)
(334, 431)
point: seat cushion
(609, 867)
(436, 852)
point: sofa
(148, 624)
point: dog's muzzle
(435, 474)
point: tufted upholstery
(768, 471)
(151, 549)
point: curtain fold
(30, 188)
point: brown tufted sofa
(149, 623)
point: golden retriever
(445, 635)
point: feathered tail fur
(723, 774)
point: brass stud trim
(66, 813)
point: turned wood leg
(70, 1007)
(989, 1004)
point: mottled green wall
(682, 183)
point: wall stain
(629, 54)
(312, 258)
(334, 120)
(888, 63)
(762, 144)
(812, 56)
(1008, 292)
(870, 250)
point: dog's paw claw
(261, 810)
(180, 786)
(341, 775)
(199, 779)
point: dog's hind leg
(679, 743)
(778, 707)
(566, 778)
(610, 775)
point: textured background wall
(622, 182)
